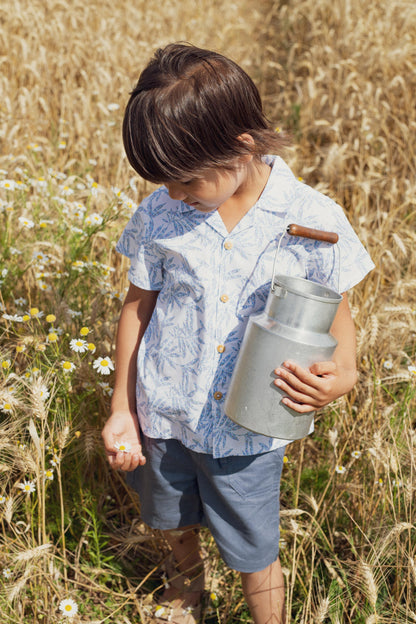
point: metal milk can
(294, 325)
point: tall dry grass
(340, 77)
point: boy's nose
(175, 191)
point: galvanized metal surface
(294, 325)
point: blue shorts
(237, 498)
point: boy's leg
(188, 563)
(264, 592)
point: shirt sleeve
(137, 244)
(340, 266)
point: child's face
(211, 191)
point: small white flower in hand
(124, 447)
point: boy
(202, 248)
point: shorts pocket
(256, 475)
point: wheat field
(339, 78)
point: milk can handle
(321, 235)
(300, 230)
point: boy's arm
(323, 382)
(123, 426)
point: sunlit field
(338, 78)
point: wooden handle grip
(321, 235)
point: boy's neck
(254, 180)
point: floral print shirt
(210, 281)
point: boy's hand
(123, 428)
(312, 388)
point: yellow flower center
(104, 363)
(5, 364)
(51, 318)
(67, 365)
(91, 346)
(84, 331)
(7, 406)
(34, 311)
(26, 317)
(53, 337)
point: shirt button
(217, 396)
(228, 245)
(224, 298)
(220, 348)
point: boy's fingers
(297, 397)
(302, 408)
(290, 382)
(126, 461)
(302, 379)
(323, 368)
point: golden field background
(340, 77)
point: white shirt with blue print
(210, 282)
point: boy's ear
(248, 139)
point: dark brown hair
(187, 112)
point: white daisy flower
(76, 230)
(9, 185)
(68, 367)
(39, 256)
(388, 364)
(106, 388)
(65, 190)
(74, 313)
(103, 365)
(124, 447)
(412, 370)
(94, 219)
(35, 147)
(5, 406)
(78, 345)
(7, 573)
(340, 469)
(113, 106)
(159, 611)
(26, 223)
(2, 499)
(43, 392)
(48, 475)
(356, 454)
(27, 486)
(40, 183)
(68, 607)
(78, 265)
(13, 317)
(21, 301)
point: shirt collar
(277, 195)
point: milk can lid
(306, 288)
